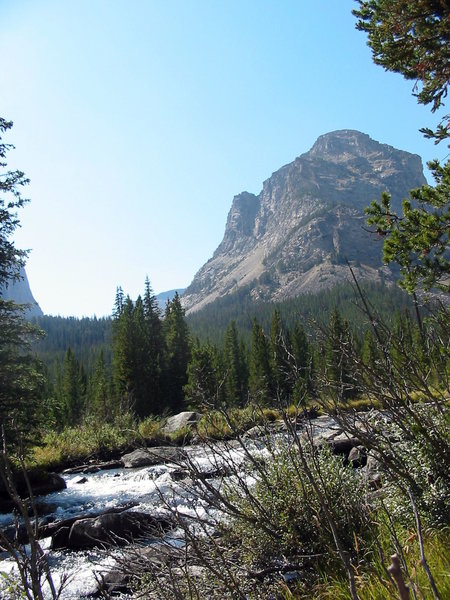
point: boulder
(343, 443)
(115, 529)
(41, 483)
(357, 456)
(146, 457)
(183, 419)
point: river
(150, 489)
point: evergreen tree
(178, 354)
(338, 350)
(235, 378)
(154, 348)
(124, 356)
(303, 362)
(73, 389)
(260, 372)
(203, 386)
(21, 379)
(280, 353)
(101, 403)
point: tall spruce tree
(204, 381)
(178, 353)
(303, 362)
(21, 379)
(261, 385)
(100, 397)
(154, 351)
(338, 367)
(235, 377)
(280, 355)
(73, 390)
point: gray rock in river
(146, 457)
(115, 529)
(183, 419)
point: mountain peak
(298, 233)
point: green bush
(283, 517)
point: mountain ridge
(297, 234)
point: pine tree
(124, 356)
(337, 354)
(73, 388)
(178, 354)
(303, 363)
(101, 404)
(154, 358)
(260, 373)
(204, 382)
(280, 353)
(21, 379)
(235, 379)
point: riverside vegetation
(311, 524)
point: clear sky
(137, 122)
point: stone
(146, 457)
(41, 483)
(183, 419)
(357, 456)
(115, 529)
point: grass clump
(75, 445)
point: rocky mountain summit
(296, 236)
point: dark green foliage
(204, 388)
(310, 309)
(138, 352)
(411, 37)
(302, 358)
(100, 393)
(261, 377)
(22, 381)
(72, 392)
(235, 375)
(21, 376)
(339, 376)
(281, 358)
(11, 182)
(418, 240)
(178, 353)
(86, 337)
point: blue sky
(138, 121)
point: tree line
(158, 365)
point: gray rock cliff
(297, 234)
(20, 292)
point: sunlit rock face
(20, 292)
(297, 235)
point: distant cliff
(20, 292)
(297, 234)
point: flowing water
(149, 489)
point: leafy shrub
(283, 516)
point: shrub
(283, 516)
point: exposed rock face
(296, 235)
(20, 292)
